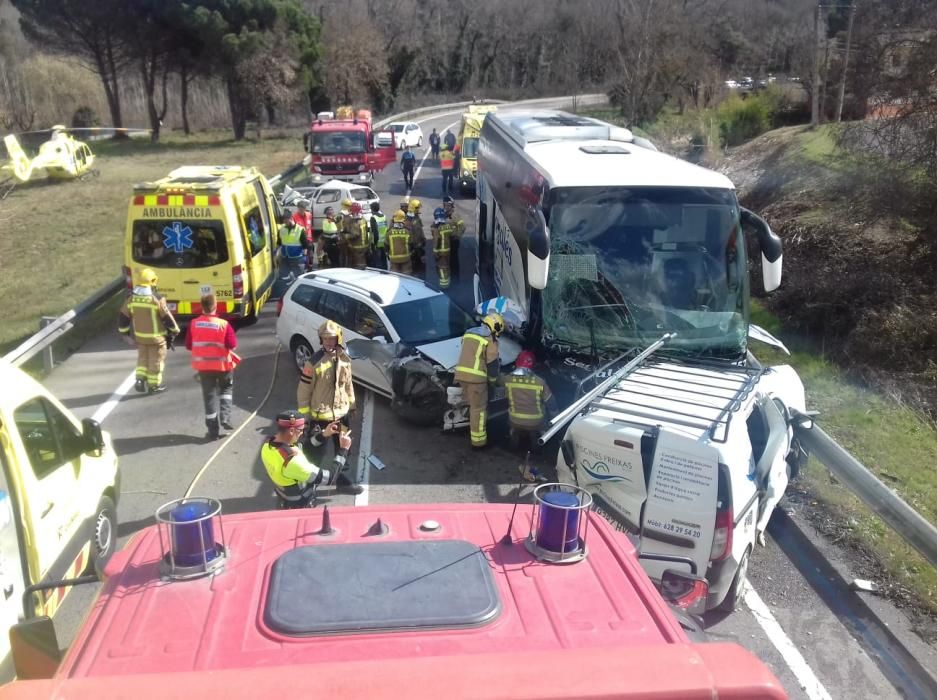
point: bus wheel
(104, 538)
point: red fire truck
(415, 601)
(347, 148)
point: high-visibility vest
(330, 229)
(277, 458)
(209, 352)
(381, 222)
(446, 159)
(525, 399)
(145, 316)
(472, 368)
(398, 243)
(291, 238)
(442, 244)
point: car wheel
(419, 143)
(739, 585)
(302, 352)
(104, 536)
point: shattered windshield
(334, 142)
(629, 264)
(428, 320)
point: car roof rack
(374, 296)
(401, 274)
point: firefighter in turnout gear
(479, 365)
(378, 226)
(346, 226)
(530, 403)
(458, 229)
(294, 477)
(358, 238)
(328, 250)
(417, 234)
(398, 244)
(146, 319)
(325, 394)
(442, 240)
(212, 342)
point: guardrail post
(48, 359)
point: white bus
(606, 243)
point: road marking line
(789, 652)
(105, 408)
(428, 150)
(364, 449)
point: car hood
(446, 352)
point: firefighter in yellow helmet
(417, 234)
(398, 244)
(346, 226)
(326, 396)
(479, 365)
(146, 319)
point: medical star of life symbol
(177, 237)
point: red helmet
(525, 359)
(357, 209)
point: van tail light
(722, 537)
(684, 590)
(128, 277)
(237, 281)
(279, 306)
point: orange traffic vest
(446, 160)
(209, 353)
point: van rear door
(259, 241)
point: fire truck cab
(347, 148)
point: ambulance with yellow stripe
(201, 229)
(472, 121)
(59, 487)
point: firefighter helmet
(525, 359)
(347, 202)
(330, 329)
(147, 277)
(399, 217)
(439, 215)
(495, 323)
(414, 206)
(356, 210)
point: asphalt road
(160, 440)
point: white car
(410, 325)
(406, 134)
(331, 194)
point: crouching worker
(530, 404)
(294, 477)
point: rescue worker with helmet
(417, 234)
(378, 226)
(294, 477)
(325, 394)
(458, 229)
(442, 242)
(346, 226)
(212, 341)
(479, 365)
(357, 238)
(328, 252)
(293, 243)
(398, 244)
(447, 167)
(146, 319)
(530, 403)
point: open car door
(382, 156)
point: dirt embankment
(857, 280)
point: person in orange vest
(447, 167)
(212, 341)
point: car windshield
(470, 148)
(363, 194)
(630, 264)
(428, 320)
(333, 142)
(179, 244)
(396, 128)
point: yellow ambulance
(59, 487)
(472, 121)
(205, 228)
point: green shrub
(84, 117)
(743, 119)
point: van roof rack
(400, 274)
(345, 283)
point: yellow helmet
(414, 206)
(330, 329)
(495, 323)
(147, 277)
(347, 202)
(399, 217)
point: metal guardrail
(882, 500)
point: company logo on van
(599, 471)
(603, 467)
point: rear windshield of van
(179, 244)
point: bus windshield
(629, 264)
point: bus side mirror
(35, 648)
(538, 250)
(771, 249)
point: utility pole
(815, 102)
(842, 82)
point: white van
(691, 460)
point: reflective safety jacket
(305, 221)
(446, 159)
(286, 464)
(528, 398)
(379, 226)
(398, 243)
(442, 237)
(209, 351)
(325, 391)
(416, 231)
(358, 235)
(478, 358)
(149, 317)
(330, 229)
(458, 226)
(293, 240)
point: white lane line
(428, 150)
(105, 408)
(789, 652)
(364, 449)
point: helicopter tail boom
(20, 163)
